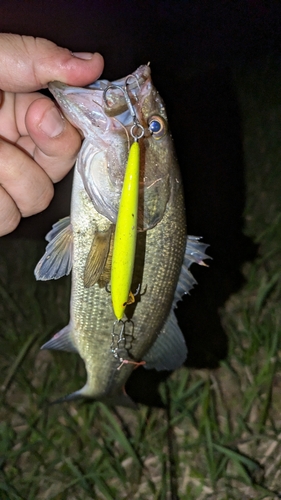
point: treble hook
(137, 126)
(119, 336)
(127, 83)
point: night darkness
(191, 46)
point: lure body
(124, 248)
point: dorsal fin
(169, 351)
(194, 252)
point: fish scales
(84, 242)
(92, 311)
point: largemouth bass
(83, 242)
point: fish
(107, 114)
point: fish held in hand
(146, 330)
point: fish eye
(157, 126)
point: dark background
(192, 47)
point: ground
(219, 436)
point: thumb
(28, 64)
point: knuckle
(46, 199)
(40, 202)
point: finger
(29, 63)
(13, 112)
(56, 141)
(9, 213)
(25, 182)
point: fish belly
(159, 257)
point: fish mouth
(102, 99)
(138, 78)
(106, 114)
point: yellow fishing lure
(124, 247)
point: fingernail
(52, 123)
(83, 55)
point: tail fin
(118, 399)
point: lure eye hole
(157, 126)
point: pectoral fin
(57, 259)
(169, 351)
(97, 257)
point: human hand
(37, 145)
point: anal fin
(169, 351)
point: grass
(219, 437)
